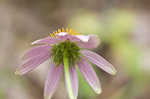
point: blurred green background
(122, 25)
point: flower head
(67, 51)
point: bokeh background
(122, 25)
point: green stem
(67, 76)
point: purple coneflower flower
(67, 51)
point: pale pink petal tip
(98, 90)
(17, 72)
(99, 61)
(114, 71)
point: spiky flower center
(70, 49)
(70, 31)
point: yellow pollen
(59, 30)
(67, 30)
(70, 31)
(63, 30)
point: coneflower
(67, 51)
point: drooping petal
(99, 61)
(92, 42)
(38, 50)
(90, 75)
(32, 64)
(52, 80)
(74, 81)
(46, 40)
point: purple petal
(46, 40)
(38, 50)
(99, 61)
(74, 81)
(93, 42)
(32, 64)
(52, 80)
(90, 75)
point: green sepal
(72, 52)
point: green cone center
(70, 49)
